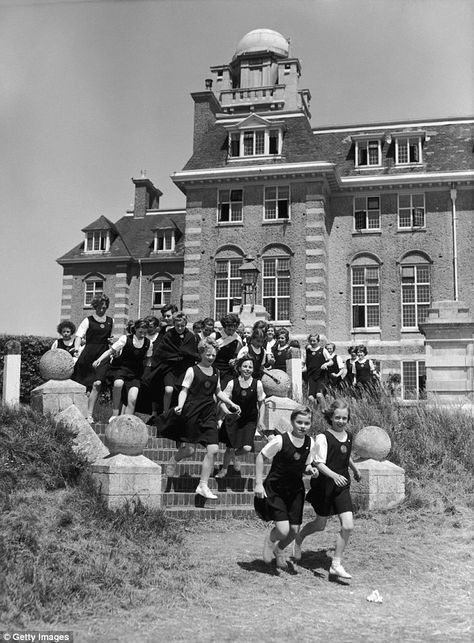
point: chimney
(147, 196)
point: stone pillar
(11, 374)
(449, 345)
(294, 370)
(122, 300)
(192, 260)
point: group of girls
(326, 371)
(280, 497)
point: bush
(32, 349)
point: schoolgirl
(329, 493)
(238, 431)
(67, 340)
(291, 456)
(337, 371)
(228, 347)
(256, 351)
(366, 376)
(316, 361)
(281, 350)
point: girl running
(329, 493)
(316, 362)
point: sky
(94, 91)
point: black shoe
(151, 420)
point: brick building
(355, 229)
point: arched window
(365, 291)
(161, 290)
(276, 277)
(415, 285)
(227, 280)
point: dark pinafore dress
(129, 366)
(64, 347)
(316, 377)
(223, 357)
(96, 338)
(238, 431)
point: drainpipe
(140, 274)
(453, 194)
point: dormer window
(408, 150)
(97, 241)
(368, 152)
(164, 241)
(255, 136)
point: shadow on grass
(317, 562)
(259, 566)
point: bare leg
(117, 397)
(94, 394)
(167, 397)
(132, 400)
(225, 465)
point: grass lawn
(420, 563)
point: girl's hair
(179, 317)
(230, 319)
(167, 307)
(337, 404)
(66, 324)
(257, 333)
(331, 344)
(205, 343)
(129, 327)
(260, 323)
(139, 323)
(361, 348)
(282, 331)
(313, 335)
(294, 344)
(197, 326)
(99, 299)
(352, 350)
(152, 321)
(241, 360)
(301, 410)
(208, 320)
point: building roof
(262, 41)
(132, 237)
(102, 223)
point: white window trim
(276, 297)
(276, 219)
(411, 227)
(414, 303)
(100, 233)
(159, 283)
(420, 149)
(163, 233)
(366, 197)
(417, 362)
(95, 292)
(365, 329)
(229, 280)
(266, 154)
(219, 203)
(365, 142)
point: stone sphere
(56, 364)
(126, 434)
(372, 442)
(277, 383)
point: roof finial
(143, 174)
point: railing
(268, 94)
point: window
(230, 206)
(413, 380)
(228, 284)
(368, 152)
(367, 213)
(277, 201)
(276, 287)
(97, 241)
(164, 240)
(415, 294)
(365, 297)
(161, 293)
(408, 150)
(92, 288)
(261, 142)
(411, 211)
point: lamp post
(249, 275)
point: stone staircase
(179, 500)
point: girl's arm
(342, 372)
(80, 333)
(269, 451)
(260, 406)
(354, 469)
(102, 358)
(183, 394)
(227, 401)
(228, 391)
(340, 481)
(329, 362)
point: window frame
(167, 234)
(231, 279)
(237, 142)
(94, 292)
(419, 147)
(157, 288)
(366, 305)
(276, 200)
(367, 210)
(420, 371)
(412, 209)
(278, 280)
(92, 236)
(416, 284)
(228, 202)
(363, 144)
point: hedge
(32, 348)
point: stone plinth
(86, 441)
(382, 485)
(55, 396)
(11, 379)
(250, 314)
(449, 346)
(277, 413)
(124, 479)
(294, 370)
